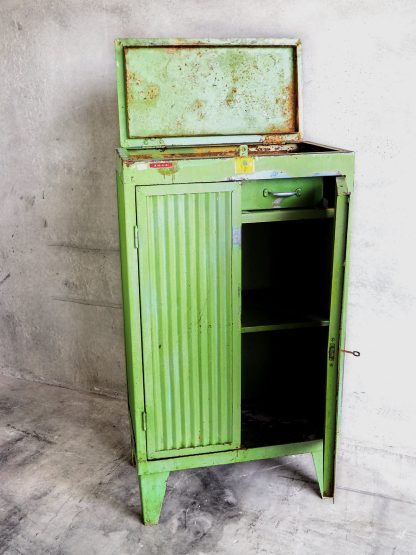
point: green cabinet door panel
(189, 272)
(334, 363)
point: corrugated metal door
(189, 270)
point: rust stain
(126, 81)
(288, 105)
(273, 129)
(230, 98)
(169, 171)
(152, 92)
(149, 92)
(133, 77)
(197, 107)
(291, 106)
(129, 162)
(275, 149)
(130, 96)
(272, 149)
(280, 102)
(197, 152)
(272, 139)
(198, 104)
(129, 92)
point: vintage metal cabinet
(234, 254)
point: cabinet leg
(152, 493)
(328, 486)
(318, 461)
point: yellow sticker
(244, 164)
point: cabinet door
(335, 361)
(189, 272)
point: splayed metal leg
(318, 461)
(152, 494)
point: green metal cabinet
(234, 256)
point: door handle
(280, 195)
(295, 193)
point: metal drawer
(269, 194)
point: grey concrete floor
(67, 487)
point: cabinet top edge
(182, 41)
(306, 148)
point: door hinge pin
(144, 421)
(136, 237)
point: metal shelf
(307, 323)
(261, 315)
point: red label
(161, 164)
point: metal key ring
(354, 353)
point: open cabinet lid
(190, 92)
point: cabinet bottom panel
(230, 457)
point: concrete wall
(60, 316)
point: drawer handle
(295, 193)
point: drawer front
(269, 194)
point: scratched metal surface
(193, 91)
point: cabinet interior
(286, 274)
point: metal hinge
(237, 236)
(331, 350)
(342, 188)
(243, 150)
(144, 421)
(136, 237)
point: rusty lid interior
(201, 92)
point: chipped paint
(272, 174)
(328, 174)
(170, 170)
(140, 166)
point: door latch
(331, 352)
(243, 150)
